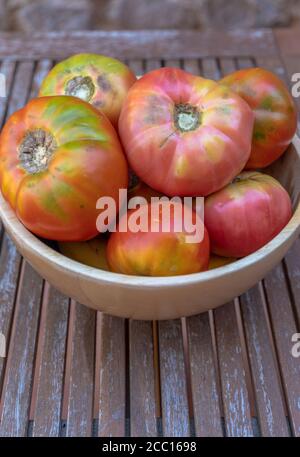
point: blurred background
(51, 15)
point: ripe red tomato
(58, 155)
(100, 80)
(246, 214)
(160, 253)
(274, 110)
(183, 134)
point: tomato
(274, 110)
(91, 253)
(100, 80)
(58, 155)
(246, 214)
(185, 135)
(160, 253)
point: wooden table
(71, 371)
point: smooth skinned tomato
(58, 156)
(157, 253)
(274, 110)
(185, 135)
(99, 80)
(245, 215)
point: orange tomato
(58, 156)
(157, 253)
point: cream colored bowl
(161, 297)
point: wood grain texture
(79, 386)
(143, 44)
(270, 404)
(8, 70)
(15, 400)
(50, 368)
(21, 87)
(292, 266)
(175, 413)
(10, 261)
(234, 391)
(206, 401)
(142, 387)
(284, 326)
(112, 377)
(42, 69)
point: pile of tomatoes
(178, 134)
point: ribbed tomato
(157, 253)
(58, 155)
(99, 80)
(274, 110)
(245, 215)
(183, 134)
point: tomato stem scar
(81, 87)
(186, 117)
(36, 150)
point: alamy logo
(2, 85)
(296, 86)
(2, 345)
(296, 346)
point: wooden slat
(10, 258)
(139, 44)
(284, 326)
(210, 68)
(293, 272)
(268, 392)
(42, 69)
(112, 377)
(288, 40)
(142, 388)
(9, 271)
(22, 85)
(243, 63)
(234, 389)
(206, 401)
(192, 66)
(175, 413)
(8, 70)
(152, 64)
(49, 370)
(227, 66)
(14, 407)
(79, 382)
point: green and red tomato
(99, 80)
(274, 110)
(58, 156)
(157, 253)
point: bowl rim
(42, 250)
